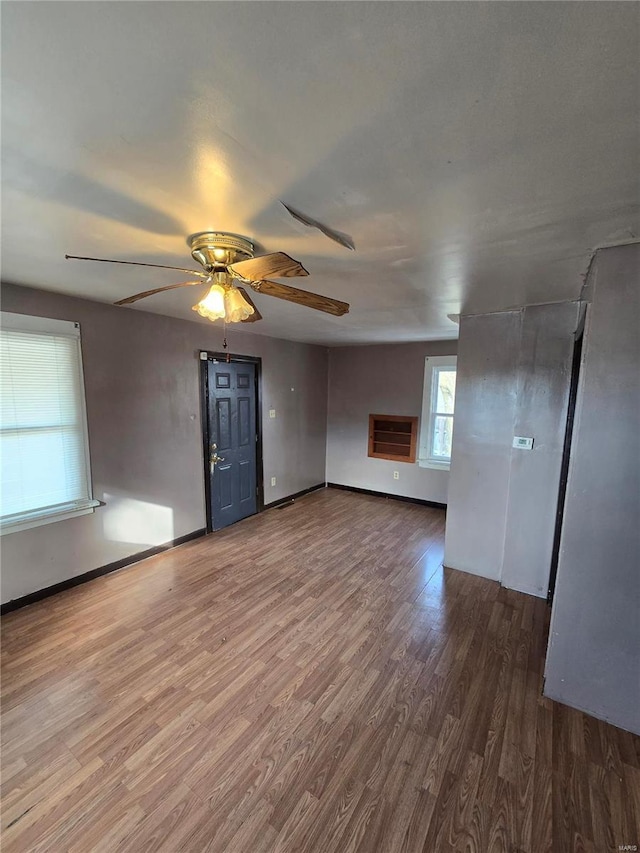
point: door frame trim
(204, 420)
(574, 385)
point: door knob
(214, 458)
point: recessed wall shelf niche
(393, 437)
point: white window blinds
(43, 437)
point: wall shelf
(393, 437)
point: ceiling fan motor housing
(217, 249)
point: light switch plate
(522, 442)
(272, 413)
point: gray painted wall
(486, 394)
(143, 407)
(384, 379)
(543, 380)
(593, 661)
(514, 373)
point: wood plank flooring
(310, 679)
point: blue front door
(232, 435)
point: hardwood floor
(310, 679)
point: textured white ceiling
(476, 153)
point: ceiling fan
(228, 261)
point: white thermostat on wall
(521, 442)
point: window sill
(26, 520)
(436, 466)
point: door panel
(224, 478)
(245, 481)
(223, 422)
(232, 429)
(244, 421)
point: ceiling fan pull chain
(224, 342)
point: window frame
(59, 512)
(433, 364)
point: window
(436, 429)
(43, 430)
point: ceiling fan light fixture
(223, 301)
(212, 306)
(236, 306)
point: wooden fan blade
(302, 297)
(256, 314)
(278, 264)
(137, 264)
(146, 293)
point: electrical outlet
(273, 481)
(396, 475)
(272, 413)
